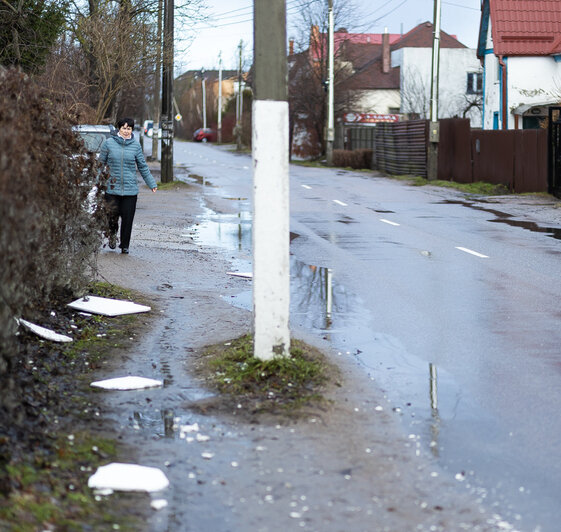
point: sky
(230, 21)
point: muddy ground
(341, 468)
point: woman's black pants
(122, 207)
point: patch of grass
(44, 474)
(485, 189)
(51, 491)
(280, 385)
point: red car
(204, 135)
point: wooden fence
(516, 159)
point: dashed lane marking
(339, 202)
(388, 222)
(306, 186)
(471, 252)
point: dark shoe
(125, 251)
(112, 241)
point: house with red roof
(519, 47)
(391, 73)
(381, 78)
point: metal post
(271, 282)
(167, 95)
(330, 88)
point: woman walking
(123, 155)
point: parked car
(204, 135)
(148, 126)
(94, 135)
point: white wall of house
(455, 65)
(381, 101)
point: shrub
(356, 159)
(48, 235)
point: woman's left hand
(154, 189)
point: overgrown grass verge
(283, 385)
(57, 442)
(479, 187)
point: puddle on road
(505, 218)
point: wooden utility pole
(271, 239)
(157, 88)
(167, 94)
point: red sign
(368, 118)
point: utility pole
(204, 96)
(156, 113)
(167, 95)
(271, 238)
(434, 126)
(219, 127)
(239, 102)
(330, 88)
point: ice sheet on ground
(127, 383)
(45, 333)
(128, 477)
(246, 275)
(106, 306)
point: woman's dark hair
(123, 121)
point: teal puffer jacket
(123, 158)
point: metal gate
(554, 152)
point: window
(474, 83)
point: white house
(520, 48)
(460, 75)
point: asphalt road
(450, 303)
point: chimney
(386, 51)
(291, 47)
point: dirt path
(350, 468)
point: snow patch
(127, 383)
(106, 306)
(128, 477)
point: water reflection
(230, 231)
(312, 295)
(435, 423)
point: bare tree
(308, 67)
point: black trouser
(123, 207)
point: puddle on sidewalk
(229, 231)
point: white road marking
(306, 186)
(471, 252)
(339, 202)
(388, 222)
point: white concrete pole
(204, 97)
(330, 88)
(271, 238)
